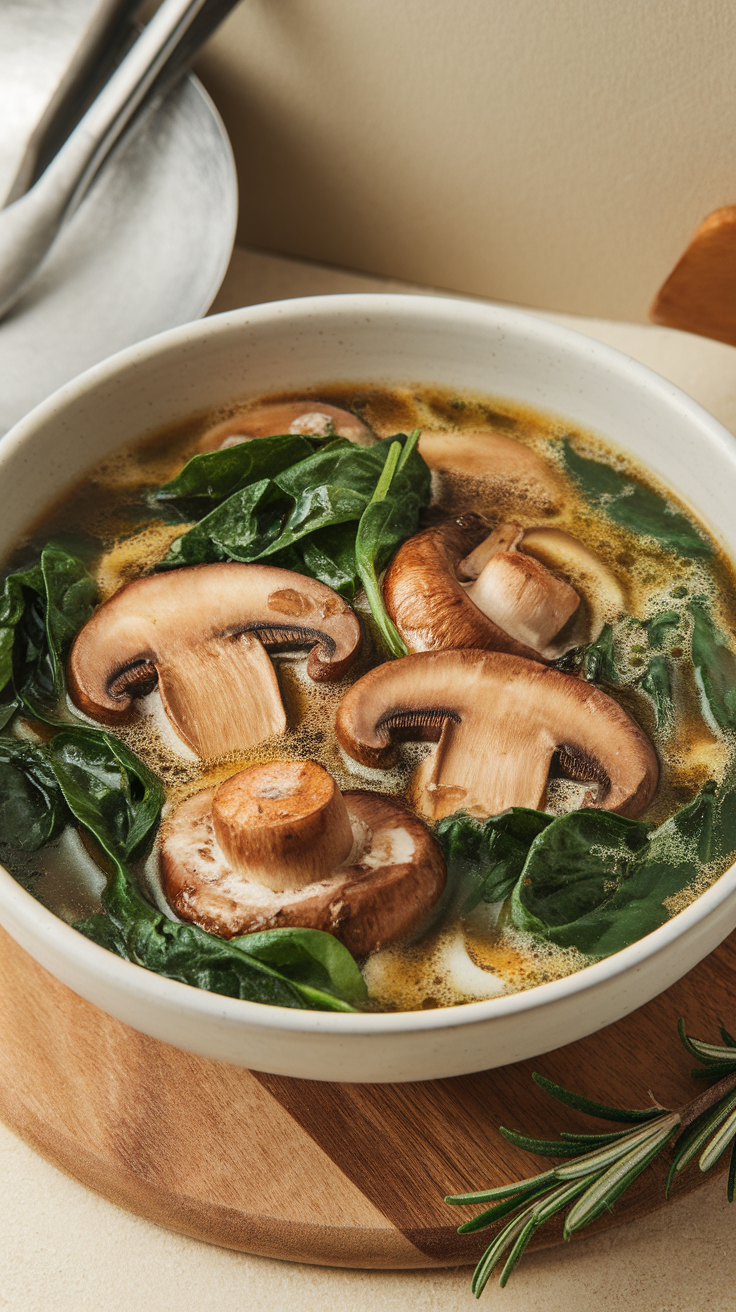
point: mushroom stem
(283, 824)
(221, 693)
(523, 598)
(503, 538)
(449, 779)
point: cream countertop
(63, 1249)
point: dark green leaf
(308, 957)
(108, 789)
(317, 508)
(551, 1147)
(138, 932)
(573, 869)
(599, 663)
(715, 669)
(660, 627)
(331, 515)
(391, 516)
(329, 555)
(656, 684)
(240, 529)
(499, 1210)
(487, 858)
(59, 597)
(13, 600)
(598, 882)
(591, 1108)
(518, 1188)
(633, 505)
(32, 809)
(216, 475)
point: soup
(396, 700)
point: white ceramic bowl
(391, 339)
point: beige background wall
(555, 153)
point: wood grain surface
(336, 1174)
(699, 296)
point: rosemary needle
(601, 1167)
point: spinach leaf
(216, 475)
(13, 601)
(661, 627)
(342, 464)
(715, 669)
(32, 807)
(308, 957)
(337, 515)
(138, 932)
(329, 555)
(599, 664)
(107, 789)
(317, 508)
(572, 868)
(395, 504)
(487, 858)
(656, 684)
(598, 882)
(59, 596)
(634, 506)
(239, 529)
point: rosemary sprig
(600, 1167)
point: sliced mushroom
(278, 845)
(314, 418)
(200, 634)
(510, 475)
(500, 723)
(515, 590)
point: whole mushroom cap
(459, 584)
(384, 889)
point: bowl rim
(62, 941)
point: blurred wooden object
(700, 294)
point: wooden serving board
(337, 1174)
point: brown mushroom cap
(312, 417)
(499, 722)
(382, 893)
(517, 590)
(513, 476)
(426, 601)
(199, 633)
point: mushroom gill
(500, 723)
